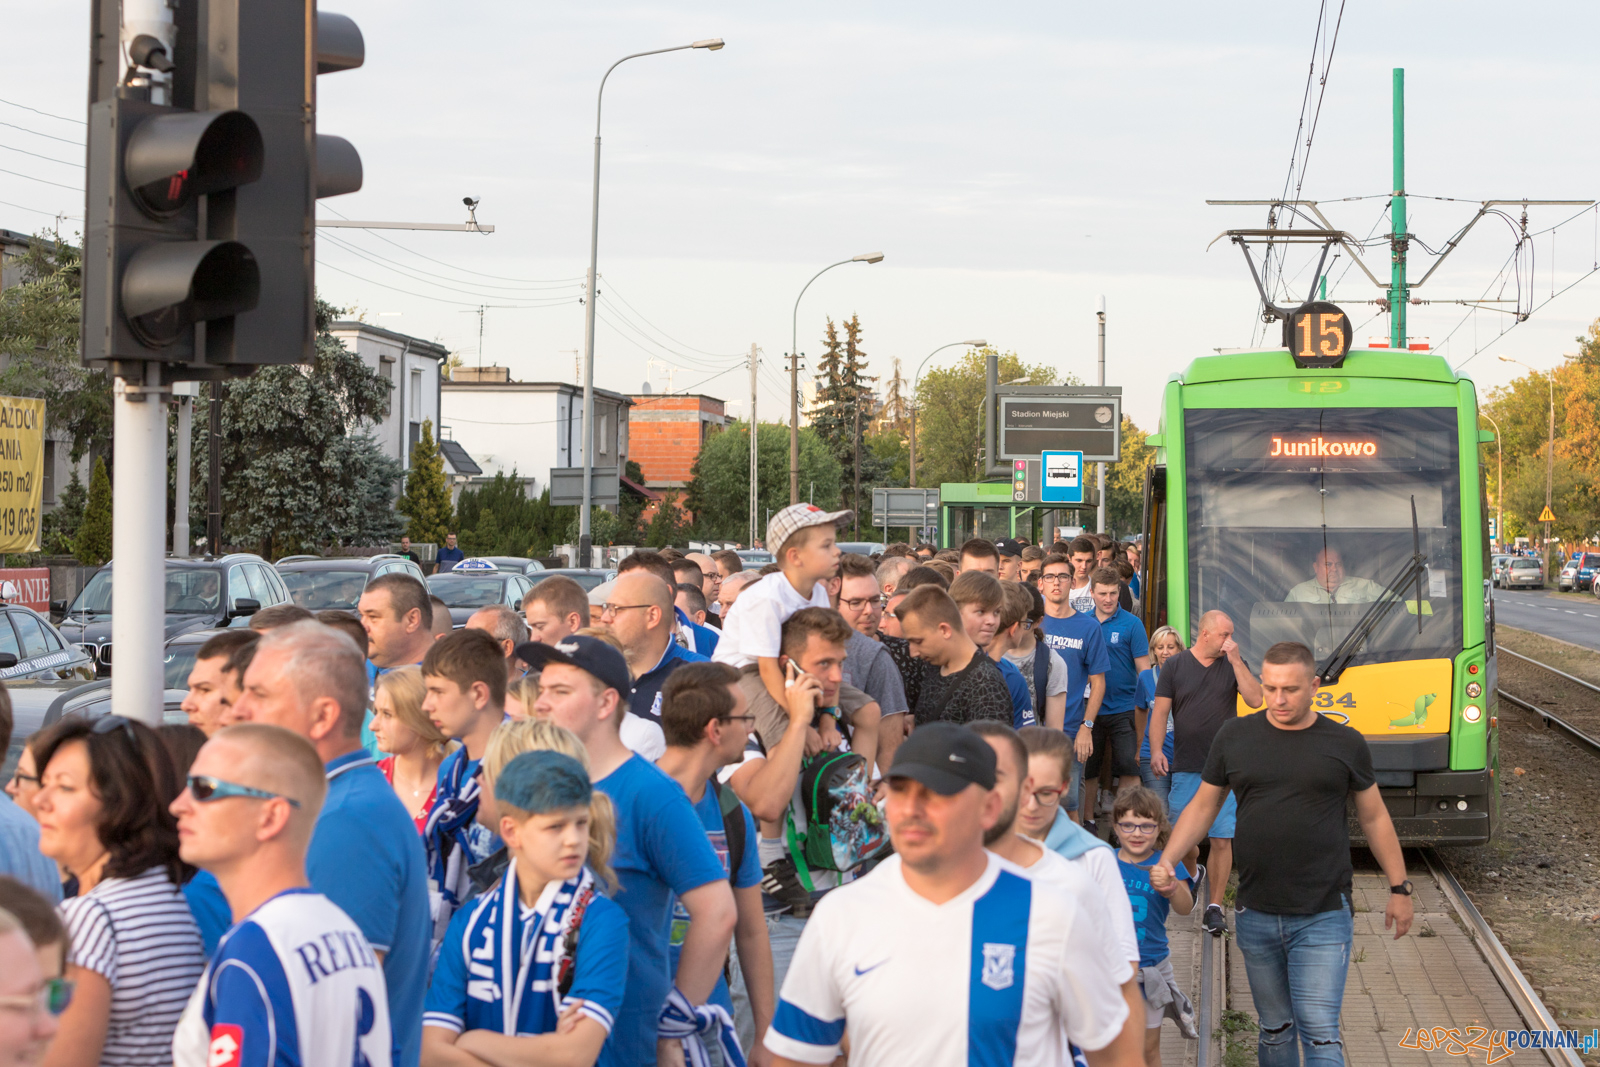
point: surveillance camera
(470, 201)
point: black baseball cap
(585, 653)
(1008, 546)
(946, 758)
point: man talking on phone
(813, 655)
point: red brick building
(665, 433)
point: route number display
(1317, 335)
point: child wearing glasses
(1141, 821)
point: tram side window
(1297, 548)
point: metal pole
(586, 441)
(138, 530)
(794, 372)
(1550, 471)
(1100, 468)
(1398, 241)
(913, 463)
(754, 452)
(181, 545)
(214, 489)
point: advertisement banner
(32, 585)
(21, 472)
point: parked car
(861, 548)
(200, 594)
(32, 649)
(519, 564)
(318, 584)
(475, 583)
(1588, 564)
(1497, 568)
(755, 557)
(1567, 579)
(588, 577)
(1523, 572)
(37, 704)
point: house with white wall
(413, 367)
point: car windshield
(325, 590)
(1302, 519)
(466, 591)
(587, 581)
(189, 591)
(1524, 564)
(177, 665)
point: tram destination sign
(1086, 420)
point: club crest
(997, 965)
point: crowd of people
(926, 808)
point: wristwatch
(1088, 724)
(1403, 889)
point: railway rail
(1572, 732)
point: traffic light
(204, 171)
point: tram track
(1573, 732)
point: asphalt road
(1567, 617)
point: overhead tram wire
(46, 114)
(41, 211)
(428, 278)
(43, 181)
(46, 136)
(40, 155)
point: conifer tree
(93, 546)
(426, 502)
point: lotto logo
(227, 1046)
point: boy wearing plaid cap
(752, 630)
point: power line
(668, 336)
(440, 299)
(42, 181)
(46, 114)
(38, 211)
(406, 272)
(464, 270)
(36, 155)
(36, 133)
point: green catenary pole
(1398, 294)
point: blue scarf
(1069, 839)
(681, 1020)
(519, 967)
(445, 838)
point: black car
(318, 584)
(33, 650)
(477, 583)
(588, 577)
(201, 594)
(520, 564)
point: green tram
(1276, 481)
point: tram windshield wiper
(1410, 574)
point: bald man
(1200, 688)
(293, 967)
(639, 613)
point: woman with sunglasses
(135, 952)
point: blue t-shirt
(1145, 697)
(1149, 908)
(1125, 642)
(1021, 700)
(646, 699)
(749, 874)
(447, 558)
(661, 850)
(1082, 646)
(366, 857)
(705, 638)
(210, 909)
(476, 978)
(19, 852)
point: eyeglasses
(1056, 577)
(51, 998)
(205, 789)
(857, 603)
(18, 776)
(1137, 827)
(107, 723)
(613, 609)
(740, 718)
(1047, 797)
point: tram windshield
(1300, 519)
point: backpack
(732, 825)
(843, 826)
(1041, 678)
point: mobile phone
(788, 674)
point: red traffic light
(170, 159)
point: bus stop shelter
(993, 510)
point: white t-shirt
(753, 627)
(139, 935)
(1100, 864)
(938, 985)
(1055, 682)
(294, 984)
(1082, 599)
(643, 736)
(1075, 877)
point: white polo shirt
(753, 627)
(1105, 912)
(994, 975)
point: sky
(1013, 163)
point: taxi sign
(474, 565)
(1547, 515)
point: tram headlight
(1472, 713)
(1474, 690)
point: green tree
(668, 526)
(605, 527)
(39, 322)
(718, 493)
(426, 502)
(58, 530)
(1572, 500)
(950, 414)
(1125, 481)
(93, 546)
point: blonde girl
(415, 745)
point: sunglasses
(205, 789)
(109, 723)
(52, 998)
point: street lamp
(1499, 479)
(914, 377)
(794, 373)
(1550, 455)
(710, 44)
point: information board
(1090, 424)
(21, 472)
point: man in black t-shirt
(1291, 770)
(962, 684)
(1200, 689)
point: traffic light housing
(201, 201)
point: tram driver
(1330, 584)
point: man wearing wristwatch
(1077, 637)
(1292, 770)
